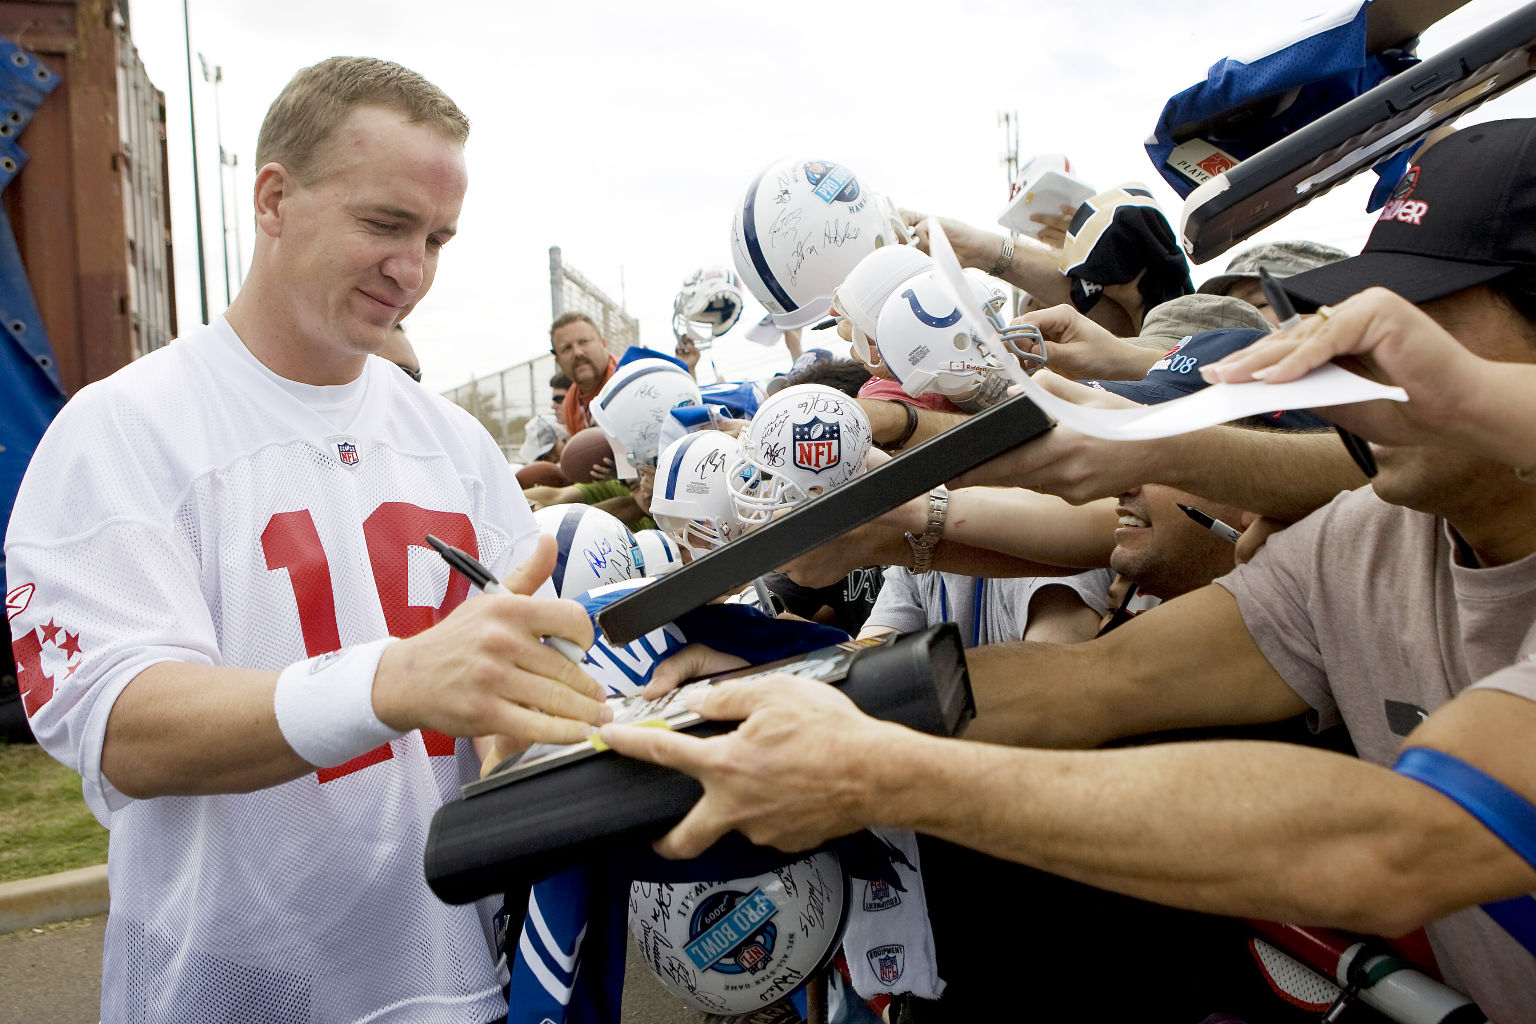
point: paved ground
(52, 975)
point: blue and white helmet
(709, 304)
(804, 441)
(924, 340)
(659, 553)
(631, 406)
(737, 946)
(691, 499)
(803, 225)
(595, 548)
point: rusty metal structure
(91, 210)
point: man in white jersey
(256, 494)
(1403, 609)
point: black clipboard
(1373, 126)
(515, 826)
(938, 460)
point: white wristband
(325, 705)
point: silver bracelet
(1004, 260)
(922, 547)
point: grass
(44, 823)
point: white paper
(1219, 403)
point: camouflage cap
(1281, 259)
(1178, 318)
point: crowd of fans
(1218, 676)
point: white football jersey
(195, 507)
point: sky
(625, 133)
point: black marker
(1281, 304)
(1211, 523)
(469, 566)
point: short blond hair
(313, 105)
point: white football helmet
(804, 441)
(692, 498)
(859, 298)
(659, 553)
(631, 406)
(595, 548)
(709, 304)
(924, 339)
(803, 225)
(737, 946)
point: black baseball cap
(1464, 214)
(1178, 374)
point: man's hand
(798, 771)
(602, 469)
(1077, 347)
(689, 663)
(973, 246)
(644, 486)
(1381, 335)
(484, 670)
(688, 352)
(1054, 233)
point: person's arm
(1078, 348)
(180, 728)
(1281, 475)
(1267, 830)
(888, 421)
(1035, 268)
(1057, 615)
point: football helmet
(736, 946)
(692, 500)
(631, 406)
(924, 340)
(659, 553)
(595, 548)
(859, 298)
(803, 225)
(804, 441)
(709, 304)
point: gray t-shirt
(908, 602)
(1363, 611)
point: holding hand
(787, 777)
(484, 669)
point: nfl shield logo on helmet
(818, 445)
(888, 962)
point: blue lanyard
(944, 616)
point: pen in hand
(469, 566)
(1216, 526)
(1281, 304)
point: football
(584, 451)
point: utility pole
(1009, 120)
(214, 74)
(197, 192)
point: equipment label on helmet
(731, 930)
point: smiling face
(354, 250)
(1162, 550)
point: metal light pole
(197, 192)
(214, 74)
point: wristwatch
(922, 547)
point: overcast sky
(625, 132)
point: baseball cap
(1281, 259)
(1190, 314)
(1464, 214)
(539, 437)
(1178, 374)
